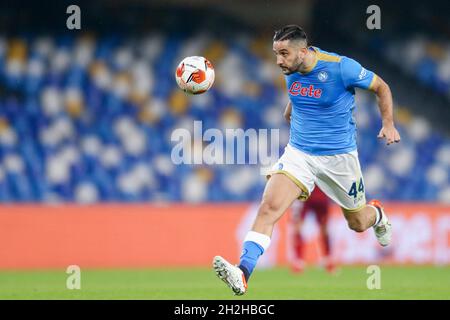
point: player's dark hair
(290, 32)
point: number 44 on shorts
(355, 189)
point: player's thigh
(278, 195)
(298, 167)
(290, 178)
(340, 178)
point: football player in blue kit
(322, 148)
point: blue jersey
(323, 101)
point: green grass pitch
(424, 282)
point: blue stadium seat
(52, 104)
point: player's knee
(268, 210)
(356, 225)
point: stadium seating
(90, 119)
(424, 58)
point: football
(195, 75)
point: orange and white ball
(195, 75)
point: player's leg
(371, 215)
(341, 179)
(278, 195)
(360, 220)
(292, 178)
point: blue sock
(249, 257)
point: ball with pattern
(195, 75)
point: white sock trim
(259, 238)
(378, 215)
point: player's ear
(302, 52)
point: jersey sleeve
(356, 76)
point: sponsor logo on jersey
(297, 89)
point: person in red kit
(318, 204)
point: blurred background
(86, 117)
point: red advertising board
(118, 235)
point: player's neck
(309, 62)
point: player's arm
(287, 112)
(355, 76)
(385, 104)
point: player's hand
(390, 134)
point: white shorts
(338, 176)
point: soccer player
(317, 204)
(321, 150)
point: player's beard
(295, 67)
